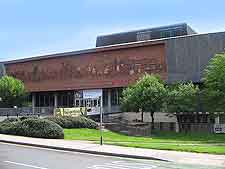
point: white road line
(133, 164)
(123, 165)
(26, 165)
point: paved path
(14, 156)
(88, 147)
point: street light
(101, 137)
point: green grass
(192, 142)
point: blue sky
(37, 27)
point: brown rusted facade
(106, 67)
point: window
(105, 97)
(166, 34)
(66, 99)
(116, 94)
(141, 36)
(44, 99)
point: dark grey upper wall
(2, 70)
(145, 34)
(188, 56)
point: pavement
(118, 151)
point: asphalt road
(25, 157)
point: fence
(27, 111)
(196, 127)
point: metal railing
(27, 111)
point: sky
(37, 27)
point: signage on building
(92, 103)
(93, 110)
(92, 94)
(71, 112)
(219, 128)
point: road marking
(123, 165)
(26, 165)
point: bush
(27, 117)
(8, 120)
(62, 121)
(74, 122)
(7, 127)
(33, 127)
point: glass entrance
(92, 105)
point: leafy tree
(147, 95)
(12, 92)
(182, 97)
(214, 84)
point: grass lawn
(202, 143)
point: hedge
(74, 122)
(33, 127)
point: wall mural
(70, 71)
(87, 68)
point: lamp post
(101, 137)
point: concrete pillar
(109, 101)
(55, 100)
(177, 127)
(217, 120)
(33, 102)
(2, 70)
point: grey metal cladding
(188, 56)
(2, 70)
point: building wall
(99, 69)
(188, 56)
(144, 34)
(158, 117)
(2, 70)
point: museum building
(80, 78)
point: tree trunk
(152, 116)
(179, 122)
(142, 116)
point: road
(25, 157)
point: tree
(12, 92)
(147, 95)
(214, 84)
(182, 97)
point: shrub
(13, 119)
(62, 121)
(8, 127)
(74, 122)
(8, 120)
(33, 127)
(27, 117)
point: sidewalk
(89, 147)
